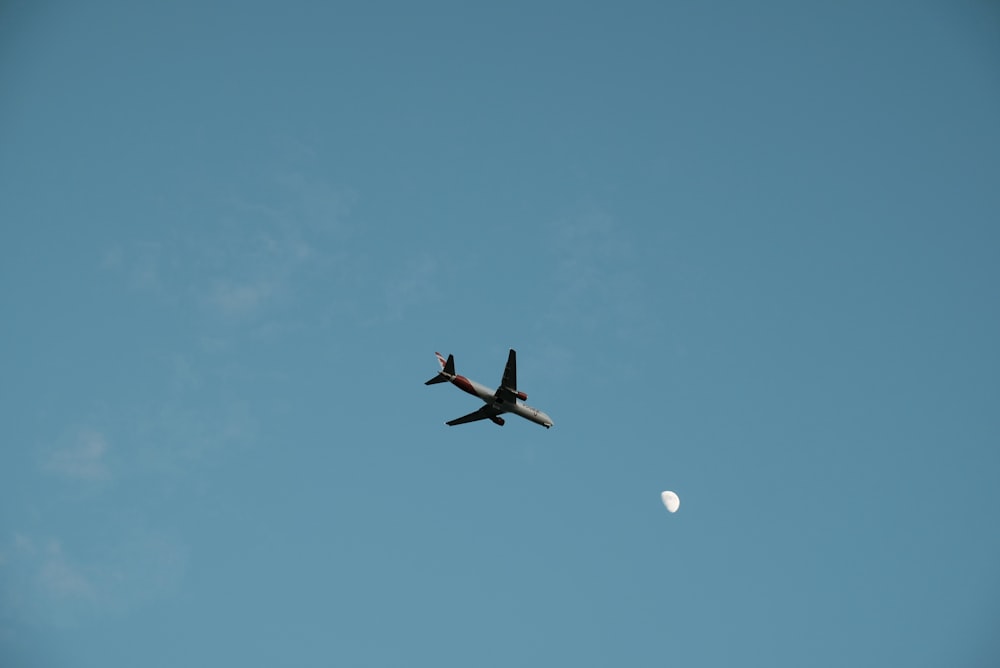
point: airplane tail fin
(447, 370)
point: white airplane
(498, 401)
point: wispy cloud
(45, 584)
(184, 377)
(594, 271)
(139, 263)
(274, 243)
(171, 438)
(232, 299)
(262, 246)
(59, 577)
(411, 286)
(41, 583)
(85, 458)
(595, 289)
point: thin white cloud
(412, 287)
(593, 249)
(183, 375)
(83, 459)
(275, 244)
(23, 544)
(595, 288)
(171, 438)
(139, 264)
(143, 565)
(43, 583)
(233, 299)
(59, 577)
(267, 243)
(594, 273)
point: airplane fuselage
(503, 399)
(489, 396)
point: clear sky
(745, 251)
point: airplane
(504, 399)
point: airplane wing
(508, 386)
(484, 413)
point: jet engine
(497, 420)
(520, 395)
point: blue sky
(747, 252)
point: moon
(671, 501)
